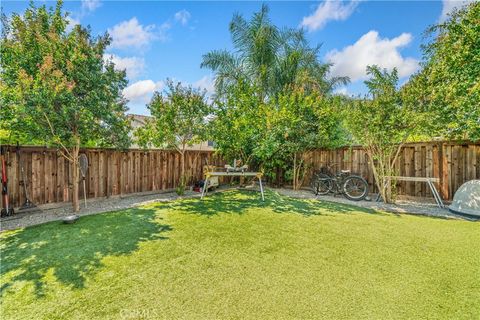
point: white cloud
(90, 5)
(134, 66)
(205, 83)
(370, 49)
(132, 34)
(182, 16)
(328, 11)
(449, 5)
(74, 18)
(341, 91)
(162, 31)
(141, 91)
(71, 23)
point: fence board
(418, 169)
(14, 177)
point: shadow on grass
(239, 201)
(73, 252)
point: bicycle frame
(336, 184)
(338, 180)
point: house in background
(138, 121)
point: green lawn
(230, 256)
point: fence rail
(48, 176)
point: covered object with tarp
(467, 199)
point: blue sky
(154, 40)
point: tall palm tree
(256, 44)
(269, 57)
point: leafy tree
(382, 123)
(56, 87)
(268, 57)
(448, 86)
(237, 123)
(266, 65)
(179, 120)
(296, 124)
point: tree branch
(69, 157)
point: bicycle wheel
(355, 188)
(324, 184)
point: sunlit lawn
(231, 256)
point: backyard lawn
(231, 256)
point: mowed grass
(230, 256)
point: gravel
(401, 206)
(47, 213)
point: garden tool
(7, 209)
(83, 163)
(27, 204)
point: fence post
(443, 170)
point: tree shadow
(283, 204)
(74, 252)
(239, 201)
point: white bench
(430, 181)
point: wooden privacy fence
(452, 162)
(110, 172)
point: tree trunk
(295, 171)
(378, 179)
(300, 172)
(75, 176)
(182, 169)
(278, 178)
(382, 170)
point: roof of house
(139, 120)
(138, 117)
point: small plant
(180, 190)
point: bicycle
(351, 186)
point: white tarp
(467, 199)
